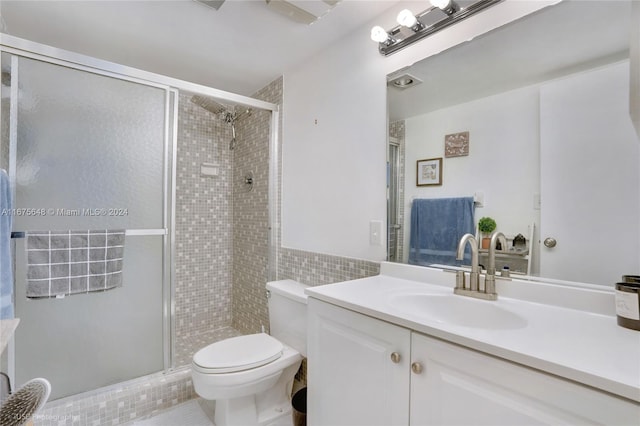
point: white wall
(334, 135)
(634, 78)
(503, 161)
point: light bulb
(406, 18)
(379, 34)
(442, 4)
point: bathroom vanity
(401, 349)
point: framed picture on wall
(456, 144)
(429, 172)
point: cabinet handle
(395, 357)
(416, 367)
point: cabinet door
(352, 378)
(458, 386)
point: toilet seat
(238, 354)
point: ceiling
(240, 48)
(553, 42)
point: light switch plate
(375, 233)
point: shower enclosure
(90, 151)
(393, 201)
(92, 145)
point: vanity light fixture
(447, 6)
(406, 18)
(379, 35)
(447, 12)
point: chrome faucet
(474, 277)
(490, 278)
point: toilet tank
(288, 313)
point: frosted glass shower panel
(90, 150)
(87, 341)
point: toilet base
(283, 419)
(271, 407)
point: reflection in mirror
(550, 154)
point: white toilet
(250, 377)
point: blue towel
(6, 272)
(436, 228)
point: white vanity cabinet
(364, 371)
(357, 369)
(459, 386)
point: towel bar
(128, 232)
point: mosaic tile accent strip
(317, 269)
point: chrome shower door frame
(168, 174)
(172, 86)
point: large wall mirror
(551, 153)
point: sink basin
(458, 310)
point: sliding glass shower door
(91, 151)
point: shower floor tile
(189, 345)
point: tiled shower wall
(397, 130)
(203, 223)
(251, 215)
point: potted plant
(486, 226)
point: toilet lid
(239, 353)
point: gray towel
(70, 262)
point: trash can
(299, 404)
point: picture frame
(429, 172)
(456, 144)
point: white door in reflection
(589, 177)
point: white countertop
(576, 344)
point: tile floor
(186, 414)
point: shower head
(208, 104)
(226, 114)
